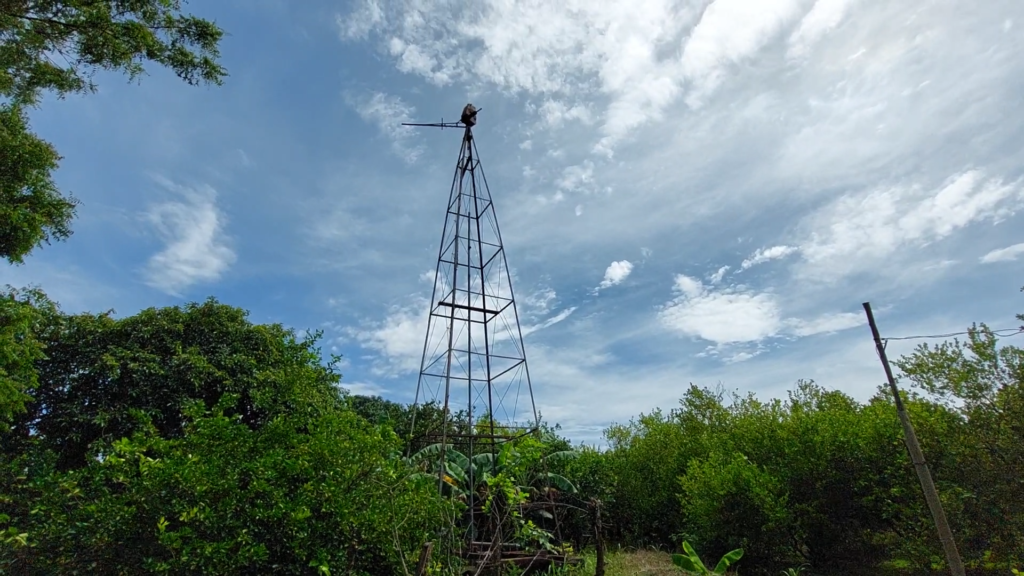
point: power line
(1008, 332)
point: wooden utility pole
(931, 495)
(595, 507)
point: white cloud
(398, 339)
(549, 322)
(555, 113)
(728, 32)
(717, 276)
(739, 315)
(363, 19)
(846, 117)
(387, 112)
(196, 248)
(609, 49)
(823, 17)
(577, 178)
(859, 231)
(539, 302)
(1007, 254)
(723, 317)
(825, 324)
(763, 255)
(363, 388)
(616, 273)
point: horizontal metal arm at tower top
(442, 124)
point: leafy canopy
(100, 374)
(21, 314)
(58, 46)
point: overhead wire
(1010, 332)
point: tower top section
(467, 120)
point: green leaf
(687, 563)
(694, 558)
(728, 560)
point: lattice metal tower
(474, 363)
(473, 355)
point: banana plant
(458, 468)
(691, 562)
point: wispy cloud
(364, 388)
(825, 324)
(397, 340)
(730, 31)
(196, 248)
(718, 275)
(387, 112)
(859, 231)
(549, 322)
(823, 17)
(1007, 254)
(763, 255)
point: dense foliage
(822, 480)
(57, 46)
(189, 440)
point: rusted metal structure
(474, 361)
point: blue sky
(736, 177)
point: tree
(32, 211)
(983, 382)
(188, 440)
(428, 419)
(21, 314)
(100, 374)
(58, 46)
(301, 494)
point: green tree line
(822, 480)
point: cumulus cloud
(1007, 254)
(387, 112)
(739, 315)
(763, 255)
(616, 273)
(196, 249)
(721, 316)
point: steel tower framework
(474, 361)
(473, 355)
